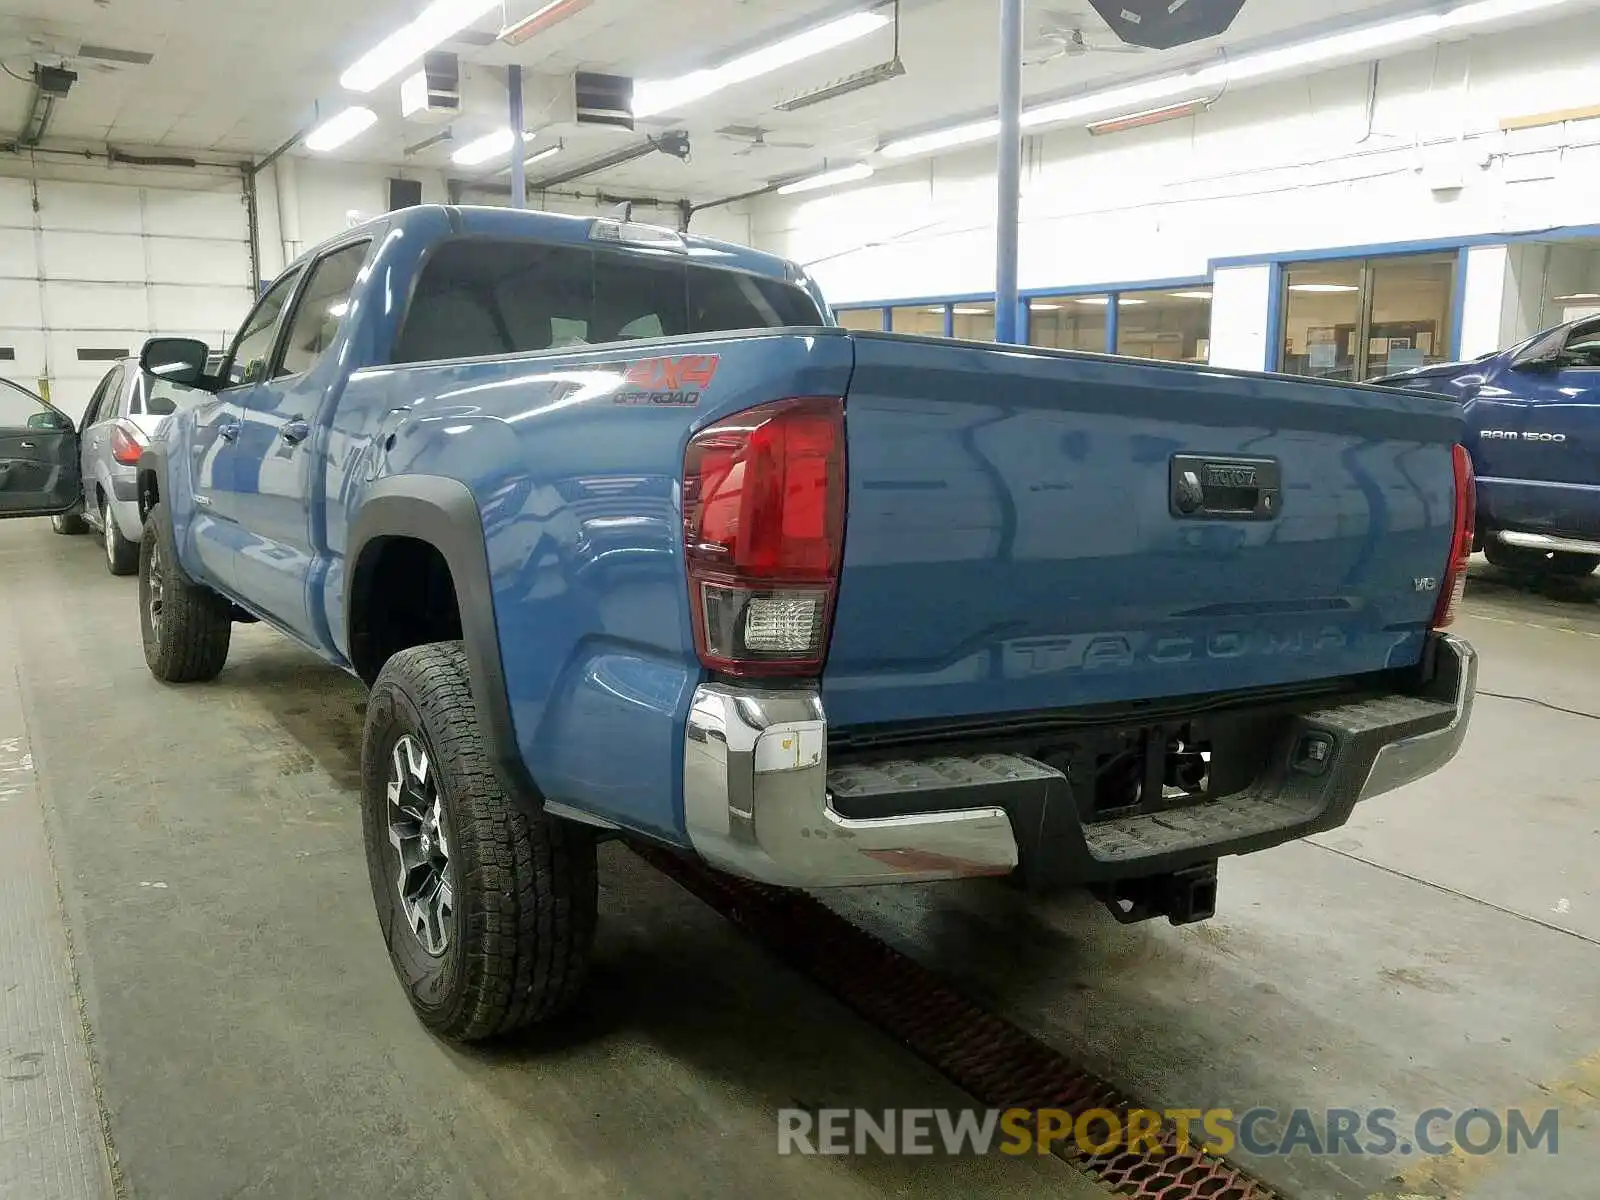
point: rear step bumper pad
(759, 798)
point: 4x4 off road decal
(677, 381)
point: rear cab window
(481, 296)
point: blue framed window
(1073, 321)
(1359, 318)
(1168, 319)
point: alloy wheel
(155, 586)
(109, 529)
(421, 850)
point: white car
(125, 412)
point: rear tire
(122, 554)
(69, 522)
(186, 628)
(489, 913)
(1528, 561)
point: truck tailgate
(1015, 538)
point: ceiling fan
(754, 138)
(1063, 35)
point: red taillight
(1454, 583)
(763, 533)
(125, 446)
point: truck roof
(560, 227)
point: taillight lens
(1454, 584)
(125, 445)
(763, 534)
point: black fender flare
(152, 466)
(443, 513)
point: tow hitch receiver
(1183, 897)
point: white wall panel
(187, 260)
(1239, 301)
(215, 214)
(68, 254)
(18, 257)
(217, 311)
(91, 207)
(89, 306)
(16, 203)
(19, 303)
(1488, 275)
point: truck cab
(1533, 427)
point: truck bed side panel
(577, 481)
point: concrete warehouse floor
(249, 1040)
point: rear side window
(482, 296)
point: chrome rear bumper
(757, 804)
(759, 798)
(1547, 542)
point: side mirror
(177, 360)
(49, 418)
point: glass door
(1356, 319)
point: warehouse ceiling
(239, 77)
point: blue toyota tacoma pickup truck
(1533, 426)
(627, 536)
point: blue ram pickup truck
(628, 537)
(1533, 426)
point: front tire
(488, 912)
(186, 628)
(1528, 561)
(122, 554)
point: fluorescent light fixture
(653, 96)
(1147, 97)
(827, 179)
(1037, 307)
(1190, 295)
(540, 156)
(1323, 289)
(340, 128)
(1465, 15)
(440, 21)
(942, 139)
(1140, 96)
(481, 150)
(1101, 301)
(1578, 296)
(970, 312)
(541, 19)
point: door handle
(296, 431)
(229, 431)
(25, 445)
